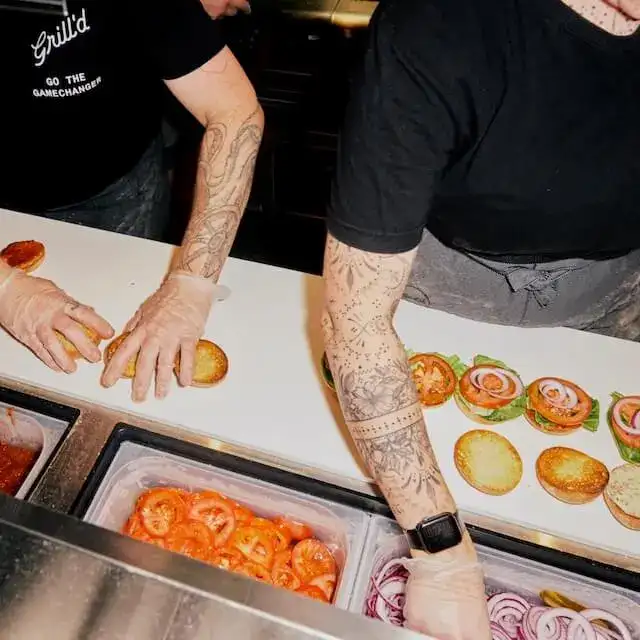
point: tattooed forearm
(225, 172)
(373, 379)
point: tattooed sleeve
(373, 380)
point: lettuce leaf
(628, 454)
(592, 422)
(455, 363)
(480, 361)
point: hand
(172, 319)
(445, 595)
(31, 309)
(217, 8)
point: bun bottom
(71, 348)
(130, 370)
(210, 366)
(566, 496)
(630, 522)
(555, 430)
(472, 416)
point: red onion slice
(565, 398)
(599, 614)
(633, 429)
(508, 610)
(477, 377)
(498, 633)
(579, 627)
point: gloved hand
(31, 309)
(217, 8)
(172, 319)
(445, 596)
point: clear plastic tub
(29, 430)
(503, 572)
(136, 468)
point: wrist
(205, 285)
(463, 553)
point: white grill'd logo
(69, 29)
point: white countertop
(274, 399)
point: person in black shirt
(489, 167)
(80, 130)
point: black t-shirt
(509, 128)
(80, 96)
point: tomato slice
(217, 514)
(564, 417)
(255, 571)
(135, 529)
(255, 545)
(311, 558)
(282, 573)
(297, 530)
(627, 412)
(280, 537)
(480, 397)
(226, 558)
(190, 538)
(434, 378)
(326, 583)
(241, 513)
(312, 592)
(160, 509)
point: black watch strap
(437, 533)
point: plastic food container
(503, 572)
(136, 468)
(29, 430)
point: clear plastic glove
(171, 320)
(217, 8)
(446, 598)
(31, 309)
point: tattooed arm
(373, 380)
(170, 322)
(221, 97)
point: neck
(605, 16)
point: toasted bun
(472, 416)
(488, 462)
(571, 476)
(26, 255)
(112, 347)
(71, 349)
(622, 495)
(556, 429)
(210, 366)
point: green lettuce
(455, 363)
(513, 410)
(590, 424)
(628, 454)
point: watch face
(440, 533)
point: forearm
(223, 184)
(376, 390)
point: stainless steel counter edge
(56, 540)
(67, 472)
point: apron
(602, 296)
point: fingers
(230, 11)
(116, 366)
(73, 332)
(145, 368)
(133, 323)
(187, 361)
(164, 372)
(38, 348)
(50, 342)
(89, 318)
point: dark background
(300, 69)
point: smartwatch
(437, 533)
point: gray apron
(600, 296)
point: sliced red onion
(633, 429)
(566, 397)
(599, 614)
(579, 627)
(507, 610)
(477, 377)
(387, 594)
(498, 633)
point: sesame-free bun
(112, 347)
(488, 462)
(71, 348)
(570, 475)
(467, 412)
(26, 255)
(210, 366)
(622, 495)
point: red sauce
(15, 464)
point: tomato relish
(15, 464)
(212, 528)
